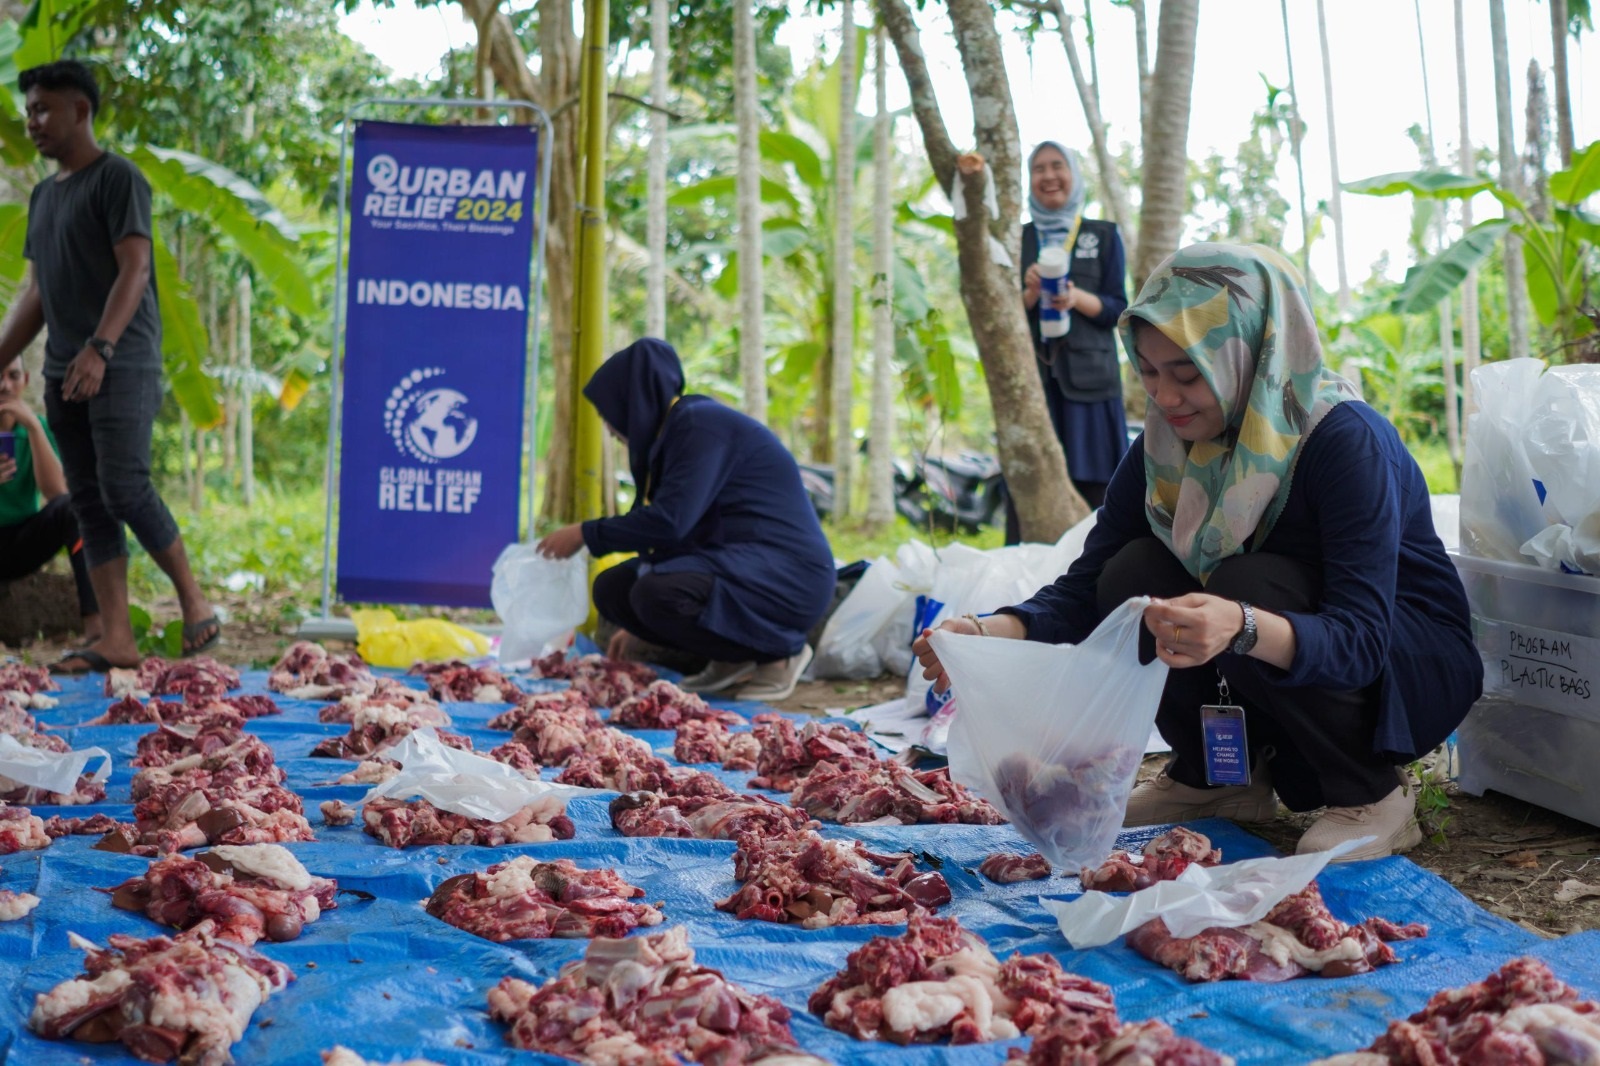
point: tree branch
(902, 29)
(994, 115)
(647, 105)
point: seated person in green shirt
(30, 535)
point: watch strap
(1246, 638)
(105, 348)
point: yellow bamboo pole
(589, 329)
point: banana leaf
(1432, 280)
(1579, 181)
(184, 343)
(1434, 184)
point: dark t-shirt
(73, 227)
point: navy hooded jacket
(716, 493)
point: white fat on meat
(488, 694)
(16, 905)
(69, 997)
(225, 1013)
(1283, 947)
(124, 682)
(1565, 1036)
(922, 1006)
(513, 879)
(270, 862)
(343, 1056)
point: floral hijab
(1241, 314)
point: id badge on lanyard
(1222, 732)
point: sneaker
(717, 676)
(1392, 820)
(1164, 800)
(776, 680)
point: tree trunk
(1165, 197)
(880, 433)
(1030, 454)
(228, 343)
(1296, 135)
(655, 302)
(1510, 178)
(844, 290)
(1469, 287)
(1447, 340)
(1336, 200)
(555, 85)
(1536, 118)
(247, 420)
(1114, 192)
(752, 342)
(1563, 101)
(1141, 49)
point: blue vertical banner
(441, 239)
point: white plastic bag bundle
(538, 598)
(468, 784)
(49, 770)
(917, 563)
(847, 648)
(1500, 507)
(1052, 734)
(1563, 450)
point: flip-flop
(192, 630)
(98, 664)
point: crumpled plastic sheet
(383, 977)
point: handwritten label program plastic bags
(1052, 734)
(465, 783)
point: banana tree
(1563, 252)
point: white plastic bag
(49, 770)
(917, 564)
(1201, 897)
(846, 649)
(538, 598)
(1500, 507)
(1563, 450)
(468, 784)
(1052, 734)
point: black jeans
(665, 609)
(34, 541)
(1317, 741)
(105, 451)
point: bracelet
(983, 630)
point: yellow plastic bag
(384, 640)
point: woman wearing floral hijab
(1287, 535)
(1081, 375)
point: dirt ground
(1522, 862)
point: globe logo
(429, 424)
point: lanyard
(1072, 238)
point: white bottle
(1052, 282)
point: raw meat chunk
(632, 770)
(1072, 805)
(800, 877)
(523, 899)
(889, 793)
(788, 754)
(21, 830)
(343, 1056)
(389, 692)
(407, 823)
(16, 905)
(57, 826)
(708, 740)
(1005, 867)
(29, 680)
(189, 996)
(376, 727)
(1164, 858)
(251, 892)
(1151, 1043)
(568, 706)
(307, 671)
(221, 711)
(663, 705)
(456, 682)
(646, 814)
(200, 679)
(337, 812)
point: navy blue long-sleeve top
(1393, 611)
(725, 498)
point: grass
(852, 539)
(1434, 458)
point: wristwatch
(1246, 638)
(102, 346)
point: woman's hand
(621, 645)
(1193, 629)
(1008, 626)
(1030, 287)
(1066, 301)
(563, 543)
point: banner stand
(326, 626)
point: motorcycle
(965, 492)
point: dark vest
(1083, 364)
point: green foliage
(1437, 277)
(166, 641)
(275, 546)
(1400, 370)
(184, 342)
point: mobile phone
(8, 443)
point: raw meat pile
(1521, 1015)
(707, 740)
(628, 770)
(788, 754)
(567, 705)
(21, 830)
(29, 684)
(416, 822)
(307, 671)
(1297, 937)
(645, 814)
(15, 906)
(376, 770)
(198, 711)
(644, 1001)
(228, 790)
(251, 892)
(558, 735)
(1074, 803)
(603, 682)
(196, 680)
(940, 982)
(1151, 1043)
(1164, 858)
(1005, 867)
(190, 996)
(456, 682)
(57, 826)
(802, 878)
(523, 899)
(889, 793)
(376, 727)
(663, 705)
(390, 692)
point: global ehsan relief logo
(429, 424)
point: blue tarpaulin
(385, 978)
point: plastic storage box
(1535, 734)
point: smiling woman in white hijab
(1079, 368)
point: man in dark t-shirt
(92, 285)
